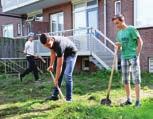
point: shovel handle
(111, 76)
(40, 57)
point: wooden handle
(111, 76)
(42, 59)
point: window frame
(84, 10)
(58, 13)
(7, 25)
(135, 17)
(117, 2)
(150, 60)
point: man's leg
(28, 70)
(127, 88)
(70, 63)
(126, 80)
(55, 90)
(54, 94)
(137, 91)
(135, 68)
(34, 68)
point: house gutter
(13, 16)
(105, 29)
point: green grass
(26, 100)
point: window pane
(60, 22)
(92, 18)
(93, 2)
(79, 7)
(117, 7)
(8, 31)
(57, 22)
(143, 16)
(87, 17)
(80, 23)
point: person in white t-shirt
(29, 51)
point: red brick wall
(40, 27)
(127, 7)
(68, 16)
(147, 51)
(101, 15)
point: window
(8, 30)
(85, 14)
(151, 65)
(57, 22)
(117, 7)
(142, 13)
(19, 29)
(85, 64)
(39, 17)
(88, 13)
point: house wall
(147, 51)
(68, 16)
(9, 20)
(127, 9)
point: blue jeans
(67, 71)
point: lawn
(26, 100)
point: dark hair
(120, 17)
(43, 38)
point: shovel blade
(106, 101)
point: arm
(52, 59)
(140, 44)
(117, 46)
(26, 47)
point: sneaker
(126, 103)
(54, 98)
(68, 101)
(137, 104)
(37, 80)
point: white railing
(18, 65)
(87, 40)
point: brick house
(9, 25)
(67, 15)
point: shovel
(107, 101)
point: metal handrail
(106, 38)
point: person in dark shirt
(64, 50)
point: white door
(92, 18)
(85, 15)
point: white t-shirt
(29, 48)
